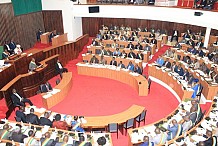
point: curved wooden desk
(171, 81)
(146, 54)
(64, 86)
(125, 61)
(139, 83)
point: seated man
(59, 124)
(116, 52)
(46, 140)
(179, 70)
(160, 61)
(20, 115)
(76, 125)
(160, 138)
(140, 56)
(187, 123)
(59, 68)
(31, 141)
(46, 87)
(94, 42)
(121, 65)
(94, 60)
(173, 66)
(102, 61)
(64, 142)
(147, 47)
(192, 114)
(185, 75)
(195, 87)
(137, 69)
(153, 41)
(204, 68)
(146, 142)
(168, 52)
(32, 118)
(167, 63)
(19, 100)
(5, 133)
(38, 34)
(18, 50)
(45, 120)
(196, 64)
(17, 136)
(5, 54)
(123, 54)
(113, 62)
(130, 46)
(33, 65)
(139, 46)
(103, 51)
(174, 131)
(82, 142)
(131, 54)
(130, 66)
(209, 138)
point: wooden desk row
(146, 54)
(74, 135)
(64, 86)
(125, 61)
(158, 73)
(209, 91)
(125, 44)
(28, 84)
(139, 83)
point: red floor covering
(92, 96)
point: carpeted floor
(92, 96)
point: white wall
(186, 16)
(69, 23)
(5, 1)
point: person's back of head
(31, 133)
(32, 110)
(57, 117)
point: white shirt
(18, 96)
(186, 125)
(59, 65)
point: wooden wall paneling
(7, 21)
(53, 21)
(91, 26)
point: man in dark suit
(94, 59)
(5, 133)
(130, 46)
(140, 56)
(19, 100)
(121, 65)
(20, 116)
(12, 46)
(38, 34)
(45, 120)
(137, 69)
(167, 63)
(113, 62)
(139, 46)
(5, 54)
(46, 87)
(6, 46)
(32, 118)
(17, 136)
(59, 68)
(175, 35)
(153, 41)
(52, 34)
(131, 54)
(46, 141)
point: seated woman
(76, 125)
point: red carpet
(92, 96)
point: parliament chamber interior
(108, 73)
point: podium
(44, 37)
(59, 39)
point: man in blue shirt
(174, 131)
(160, 61)
(147, 142)
(76, 125)
(130, 66)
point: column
(207, 37)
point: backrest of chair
(130, 122)
(112, 127)
(143, 114)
